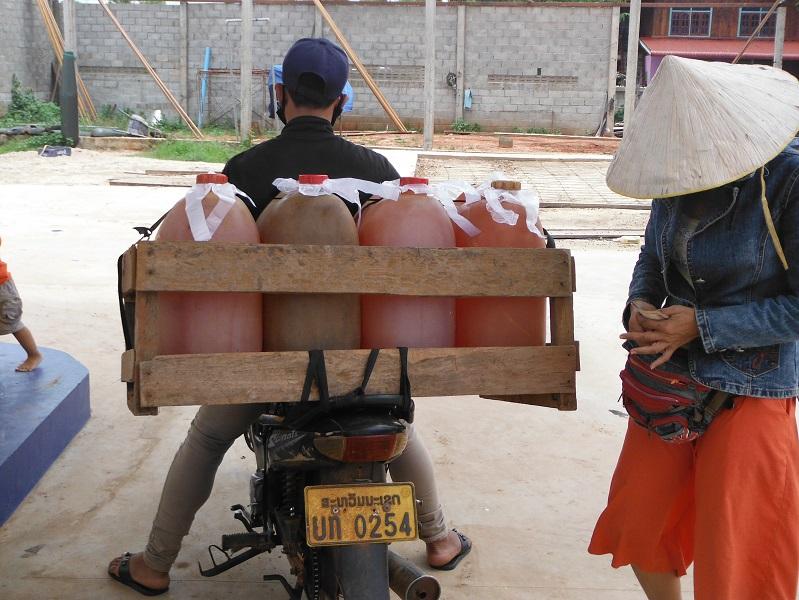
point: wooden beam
(158, 81)
(392, 114)
(460, 60)
(146, 338)
(245, 58)
(211, 267)
(251, 377)
(129, 272)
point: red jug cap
(414, 181)
(312, 179)
(211, 178)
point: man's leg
(415, 465)
(187, 487)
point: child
(10, 319)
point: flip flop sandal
(125, 578)
(466, 547)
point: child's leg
(25, 339)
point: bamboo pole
(85, 104)
(158, 81)
(392, 114)
(757, 29)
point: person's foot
(30, 363)
(442, 551)
(141, 573)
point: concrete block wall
(108, 66)
(526, 66)
(25, 50)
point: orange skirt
(728, 502)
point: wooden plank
(209, 266)
(146, 337)
(129, 272)
(546, 400)
(128, 373)
(177, 182)
(252, 377)
(561, 324)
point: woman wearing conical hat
(709, 470)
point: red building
(716, 31)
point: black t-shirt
(308, 146)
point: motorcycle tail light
(362, 448)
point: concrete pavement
(526, 483)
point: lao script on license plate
(360, 514)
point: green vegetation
(25, 108)
(218, 152)
(543, 130)
(461, 126)
(20, 143)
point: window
(690, 22)
(749, 19)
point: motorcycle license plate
(368, 513)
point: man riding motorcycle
(310, 100)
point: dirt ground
(489, 142)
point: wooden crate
(543, 375)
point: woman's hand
(635, 324)
(663, 337)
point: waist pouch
(673, 406)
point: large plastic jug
(500, 321)
(415, 220)
(310, 321)
(209, 322)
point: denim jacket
(747, 305)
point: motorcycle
(320, 492)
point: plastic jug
(209, 322)
(310, 321)
(500, 321)
(415, 220)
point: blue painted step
(40, 413)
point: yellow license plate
(360, 514)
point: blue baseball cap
(320, 57)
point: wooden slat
(146, 341)
(128, 373)
(214, 379)
(208, 266)
(547, 400)
(561, 324)
(129, 272)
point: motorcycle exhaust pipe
(409, 582)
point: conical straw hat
(702, 124)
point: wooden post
(429, 72)
(70, 32)
(561, 326)
(613, 66)
(632, 61)
(779, 37)
(184, 53)
(146, 336)
(246, 69)
(460, 59)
